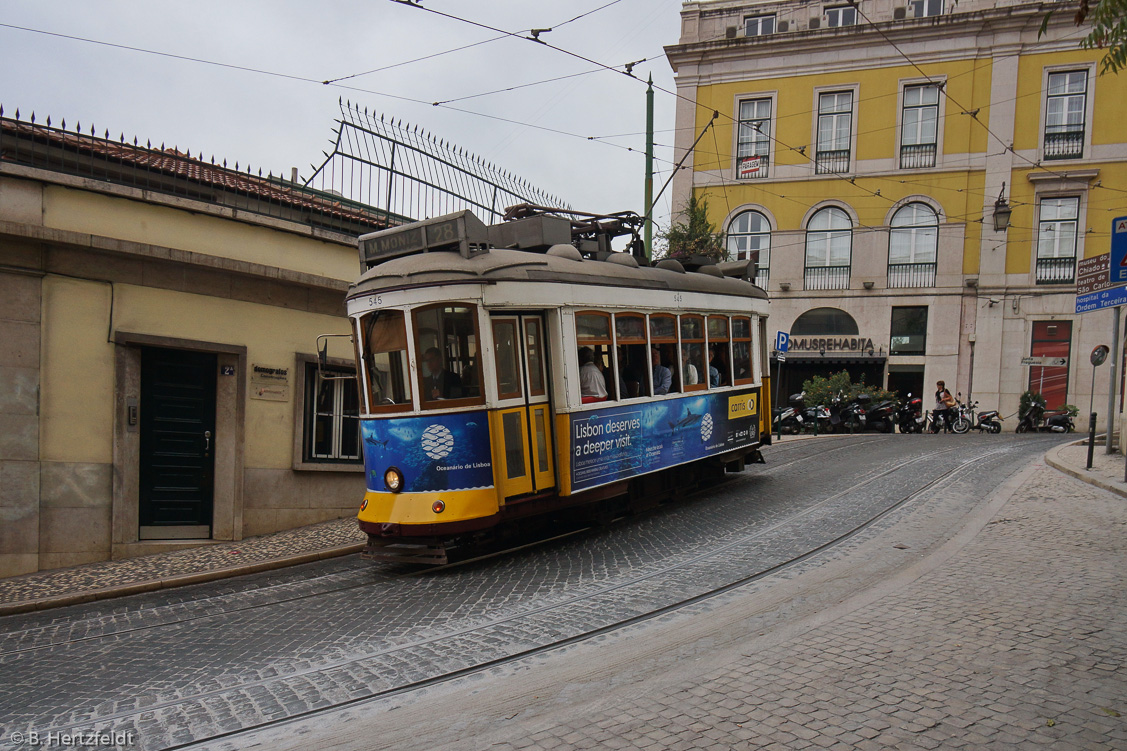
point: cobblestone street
(905, 592)
(1012, 634)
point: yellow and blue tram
(512, 370)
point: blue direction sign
(1106, 298)
(1118, 270)
(782, 341)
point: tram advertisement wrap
(622, 441)
(434, 452)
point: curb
(1052, 458)
(92, 595)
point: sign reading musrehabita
(434, 453)
(618, 442)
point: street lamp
(1002, 211)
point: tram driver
(438, 382)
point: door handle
(207, 440)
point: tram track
(610, 590)
(365, 573)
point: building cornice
(979, 34)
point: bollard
(1092, 437)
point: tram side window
(719, 352)
(384, 338)
(741, 350)
(446, 342)
(632, 356)
(694, 365)
(592, 334)
(663, 351)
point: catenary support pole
(649, 228)
(1113, 386)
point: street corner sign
(1118, 272)
(1093, 274)
(1105, 298)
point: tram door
(522, 427)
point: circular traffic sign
(1099, 354)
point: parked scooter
(910, 416)
(1054, 422)
(785, 421)
(816, 418)
(989, 421)
(881, 416)
(852, 413)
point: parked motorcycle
(1054, 422)
(910, 416)
(964, 416)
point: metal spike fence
(411, 173)
(80, 151)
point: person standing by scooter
(944, 407)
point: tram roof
(560, 267)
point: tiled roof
(119, 162)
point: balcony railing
(830, 162)
(827, 277)
(911, 275)
(1068, 145)
(746, 169)
(917, 156)
(1056, 270)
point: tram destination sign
(461, 232)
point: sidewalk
(97, 581)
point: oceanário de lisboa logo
(706, 428)
(437, 442)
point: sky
(252, 91)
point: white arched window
(829, 243)
(749, 238)
(912, 242)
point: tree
(1109, 30)
(821, 390)
(694, 235)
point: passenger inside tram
(662, 375)
(592, 384)
(631, 371)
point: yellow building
(159, 319)
(863, 150)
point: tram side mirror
(323, 358)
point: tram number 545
(676, 297)
(375, 300)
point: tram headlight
(438, 507)
(393, 479)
